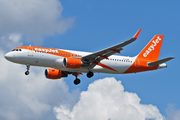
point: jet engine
(72, 63)
(54, 73)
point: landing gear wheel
(90, 74)
(27, 73)
(77, 81)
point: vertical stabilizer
(152, 49)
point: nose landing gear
(27, 72)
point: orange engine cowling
(72, 63)
(54, 73)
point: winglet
(137, 34)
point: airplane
(61, 62)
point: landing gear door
(30, 52)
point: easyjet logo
(46, 50)
(152, 47)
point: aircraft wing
(105, 53)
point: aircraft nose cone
(8, 56)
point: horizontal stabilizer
(159, 61)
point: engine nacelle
(54, 73)
(72, 63)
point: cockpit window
(16, 50)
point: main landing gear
(77, 80)
(90, 74)
(27, 72)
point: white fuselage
(119, 64)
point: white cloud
(172, 113)
(29, 97)
(106, 99)
(34, 19)
(34, 96)
(10, 41)
(15, 37)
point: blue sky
(100, 24)
(95, 25)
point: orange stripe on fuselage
(105, 66)
(51, 51)
(140, 65)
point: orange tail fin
(152, 49)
